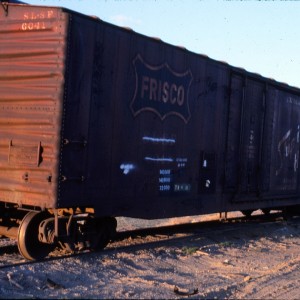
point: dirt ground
(246, 261)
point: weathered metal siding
(263, 137)
(79, 137)
(32, 63)
(283, 142)
(95, 115)
(133, 149)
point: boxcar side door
(244, 137)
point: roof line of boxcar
(235, 69)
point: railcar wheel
(247, 213)
(28, 242)
(105, 231)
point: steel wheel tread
(28, 243)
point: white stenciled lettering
(157, 90)
(126, 168)
(164, 188)
(50, 14)
(164, 180)
(183, 187)
(165, 172)
(159, 140)
(33, 26)
(159, 159)
(35, 20)
(38, 15)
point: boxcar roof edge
(236, 69)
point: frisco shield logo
(161, 90)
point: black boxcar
(97, 121)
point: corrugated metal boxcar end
(33, 52)
(32, 88)
(98, 121)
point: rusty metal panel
(32, 66)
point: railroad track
(135, 239)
